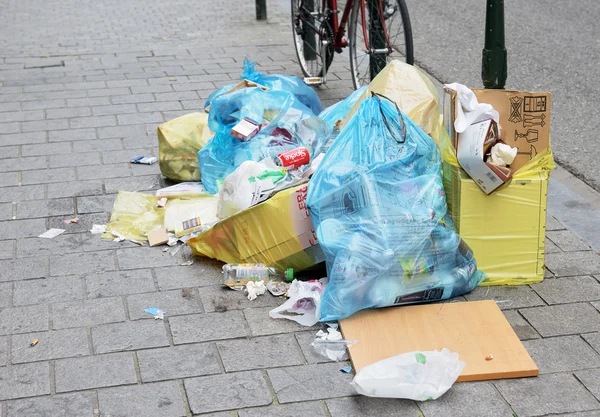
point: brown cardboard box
(524, 119)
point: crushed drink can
(294, 158)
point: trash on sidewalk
(419, 376)
(52, 233)
(331, 344)
(158, 237)
(184, 189)
(379, 208)
(277, 232)
(159, 314)
(179, 141)
(469, 110)
(70, 221)
(278, 288)
(502, 155)
(98, 229)
(471, 329)
(505, 229)
(144, 160)
(255, 288)
(236, 275)
(34, 342)
(346, 369)
(303, 305)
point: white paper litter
(118, 237)
(161, 202)
(331, 344)
(255, 288)
(52, 233)
(181, 188)
(502, 155)
(98, 228)
(471, 111)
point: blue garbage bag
(379, 210)
(339, 110)
(287, 124)
(289, 83)
(218, 92)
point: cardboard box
(473, 145)
(524, 119)
(277, 232)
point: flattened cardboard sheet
(475, 330)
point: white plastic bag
(418, 376)
(331, 344)
(471, 111)
(303, 305)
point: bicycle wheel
(310, 27)
(362, 41)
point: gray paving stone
(35, 246)
(568, 290)
(550, 247)
(5, 294)
(507, 297)
(267, 352)
(27, 192)
(74, 189)
(138, 118)
(23, 319)
(22, 115)
(22, 228)
(44, 208)
(46, 290)
(105, 92)
(84, 224)
(135, 184)
(137, 98)
(92, 243)
(567, 241)
(178, 362)
(73, 160)
(582, 414)
(562, 354)
(130, 335)
(26, 380)
(93, 121)
(568, 264)
(72, 135)
(95, 204)
(45, 176)
(371, 407)
(262, 324)
(96, 146)
(160, 106)
(593, 339)
(63, 405)
(9, 151)
(523, 329)
(145, 257)
(22, 138)
(221, 298)
(53, 344)
(68, 112)
(120, 156)
(310, 382)
(87, 312)
(42, 125)
(24, 268)
(207, 327)
(563, 319)
(87, 101)
(3, 350)
(545, 394)
(94, 371)
(7, 249)
(591, 379)
(174, 303)
(12, 127)
(9, 179)
(6, 211)
(161, 399)
(76, 263)
(227, 392)
(286, 410)
(109, 284)
(114, 109)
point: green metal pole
(377, 43)
(493, 66)
(261, 9)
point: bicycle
(318, 34)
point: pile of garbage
(271, 184)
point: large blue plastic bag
(378, 207)
(289, 125)
(289, 83)
(339, 110)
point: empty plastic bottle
(237, 275)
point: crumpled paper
(255, 288)
(502, 155)
(471, 111)
(331, 344)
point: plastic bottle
(237, 275)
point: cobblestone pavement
(83, 85)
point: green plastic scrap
(420, 358)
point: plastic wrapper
(303, 303)
(179, 141)
(287, 124)
(379, 210)
(338, 111)
(277, 232)
(289, 83)
(411, 90)
(418, 376)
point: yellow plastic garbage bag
(277, 232)
(179, 141)
(413, 93)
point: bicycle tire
(355, 27)
(307, 37)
